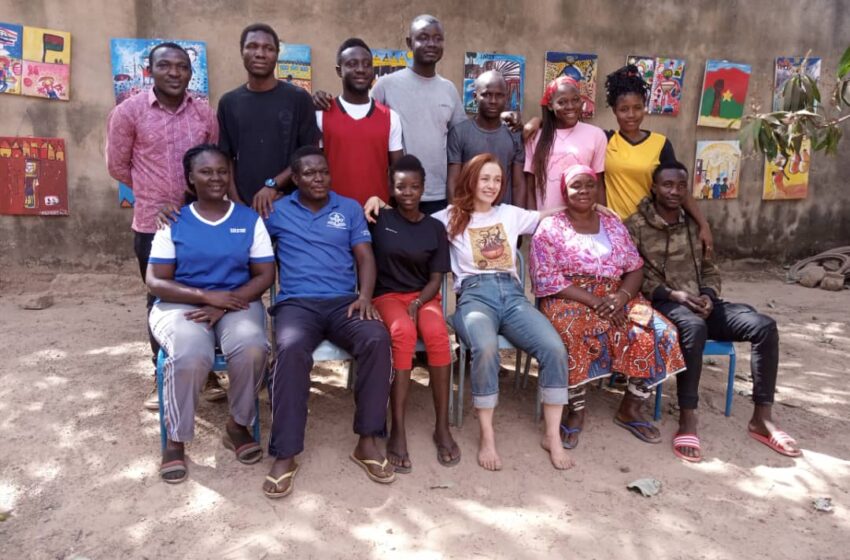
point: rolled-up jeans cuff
(485, 401)
(554, 395)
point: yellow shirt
(628, 170)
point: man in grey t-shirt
(428, 106)
(486, 133)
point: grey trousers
(242, 338)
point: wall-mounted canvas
(717, 169)
(785, 67)
(724, 92)
(387, 61)
(788, 180)
(512, 68)
(11, 57)
(33, 176)
(582, 67)
(294, 65)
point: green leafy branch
(803, 115)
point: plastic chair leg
(352, 372)
(160, 366)
(257, 420)
(461, 376)
(526, 370)
(518, 369)
(657, 414)
(730, 385)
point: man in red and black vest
(360, 136)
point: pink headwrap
(571, 173)
(553, 86)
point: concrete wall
(97, 233)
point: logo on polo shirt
(238, 230)
(336, 220)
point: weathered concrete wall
(97, 233)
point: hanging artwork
(665, 77)
(387, 61)
(724, 91)
(35, 62)
(33, 177)
(294, 66)
(131, 74)
(645, 65)
(583, 68)
(717, 169)
(788, 179)
(512, 68)
(11, 57)
(786, 66)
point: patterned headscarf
(571, 173)
(553, 86)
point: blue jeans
(493, 304)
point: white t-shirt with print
(488, 244)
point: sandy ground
(79, 456)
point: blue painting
(131, 74)
(11, 51)
(294, 66)
(512, 68)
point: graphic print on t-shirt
(490, 248)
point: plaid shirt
(145, 147)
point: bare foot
(560, 459)
(488, 457)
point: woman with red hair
(491, 301)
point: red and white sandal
(777, 441)
(687, 441)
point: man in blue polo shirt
(319, 236)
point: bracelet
(628, 295)
(418, 302)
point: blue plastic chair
(712, 348)
(219, 364)
(503, 343)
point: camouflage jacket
(672, 255)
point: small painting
(583, 68)
(717, 169)
(47, 45)
(11, 50)
(33, 177)
(665, 94)
(645, 65)
(294, 66)
(387, 61)
(787, 66)
(724, 91)
(42, 79)
(787, 180)
(511, 66)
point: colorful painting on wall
(131, 74)
(791, 181)
(724, 91)
(294, 66)
(387, 61)
(665, 77)
(11, 57)
(33, 177)
(583, 68)
(512, 68)
(35, 61)
(717, 169)
(787, 66)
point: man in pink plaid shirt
(147, 136)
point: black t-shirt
(406, 253)
(261, 130)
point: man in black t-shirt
(263, 122)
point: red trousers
(430, 325)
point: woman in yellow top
(633, 153)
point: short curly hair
(624, 81)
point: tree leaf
(844, 64)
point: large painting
(131, 74)
(717, 169)
(294, 65)
(35, 61)
(583, 68)
(787, 66)
(788, 179)
(512, 68)
(724, 91)
(33, 176)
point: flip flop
(373, 477)
(245, 453)
(689, 441)
(566, 431)
(288, 474)
(441, 449)
(776, 440)
(178, 465)
(633, 428)
(401, 469)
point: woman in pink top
(587, 273)
(561, 142)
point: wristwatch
(270, 183)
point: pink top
(145, 144)
(557, 253)
(583, 144)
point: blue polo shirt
(314, 249)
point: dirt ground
(79, 456)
